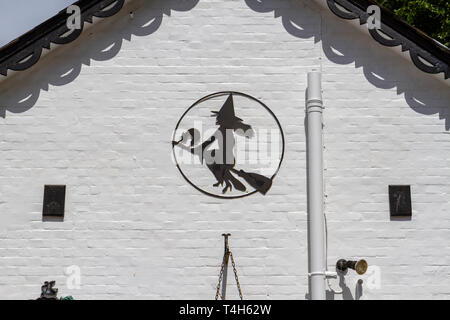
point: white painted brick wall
(101, 122)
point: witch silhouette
(221, 161)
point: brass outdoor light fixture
(359, 266)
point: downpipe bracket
(326, 274)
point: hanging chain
(236, 276)
(226, 255)
(222, 268)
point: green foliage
(430, 16)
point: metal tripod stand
(223, 275)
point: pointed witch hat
(226, 115)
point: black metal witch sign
(241, 156)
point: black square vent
(54, 201)
(400, 201)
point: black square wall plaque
(400, 201)
(54, 201)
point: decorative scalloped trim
(418, 55)
(61, 35)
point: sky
(19, 16)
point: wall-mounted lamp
(359, 266)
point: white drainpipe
(316, 232)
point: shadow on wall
(101, 47)
(378, 66)
(345, 292)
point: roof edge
(25, 51)
(426, 53)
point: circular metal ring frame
(215, 95)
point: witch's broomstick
(259, 182)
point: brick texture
(98, 115)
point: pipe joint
(314, 107)
(314, 102)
